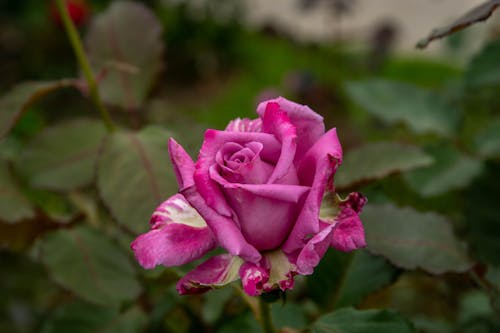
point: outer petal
(276, 122)
(310, 256)
(183, 164)
(225, 229)
(349, 234)
(178, 236)
(253, 278)
(309, 124)
(212, 143)
(244, 125)
(215, 272)
(315, 170)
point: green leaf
(55, 206)
(482, 215)
(88, 318)
(134, 175)
(493, 276)
(89, 264)
(410, 239)
(340, 278)
(14, 206)
(349, 320)
(450, 171)
(63, 157)
(378, 160)
(288, 314)
(394, 102)
(487, 141)
(245, 323)
(125, 42)
(17, 100)
(484, 68)
(215, 300)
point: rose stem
(265, 316)
(76, 44)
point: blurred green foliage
(421, 139)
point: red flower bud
(78, 12)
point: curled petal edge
(178, 235)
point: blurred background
(420, 131)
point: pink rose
(255, 191)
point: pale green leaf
(20, 97)
(89, 264)
(397, 102)
(349, 320)
(378, 160)
(63, 157)
(88, 318)
(484, 68)
(14, 206)
(451, 170)
(125, 43)
(411, 239)
(134, 175)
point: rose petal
(277, 122)
(213, 273)
(316, 170)
(214, 140)
(288, 193)
(225, 229)
(244, 125)
(349, 233)
(266, 213)
(178, 236)
(310, 256)
(183, 164)
(253, 278)
(309, 125)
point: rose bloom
(255, 191)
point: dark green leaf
(215, 300)
(482, 215)
(493, 276)
(125, 42)
(242, 324)
(394, 102)
(411, 239)
(340, 278)
(378, 160)
(88, 318)
(63, 157)
(450, 171)
(16, 101)
(86, 262)
(14, 206)
(288, 314)
(477, 14)
(484, 68)
(55, 206)
(488, 140)
(134, 175)
(368, 321)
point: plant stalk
(265, 317)
(77, 45)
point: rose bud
(255, 191)
(78, 12)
